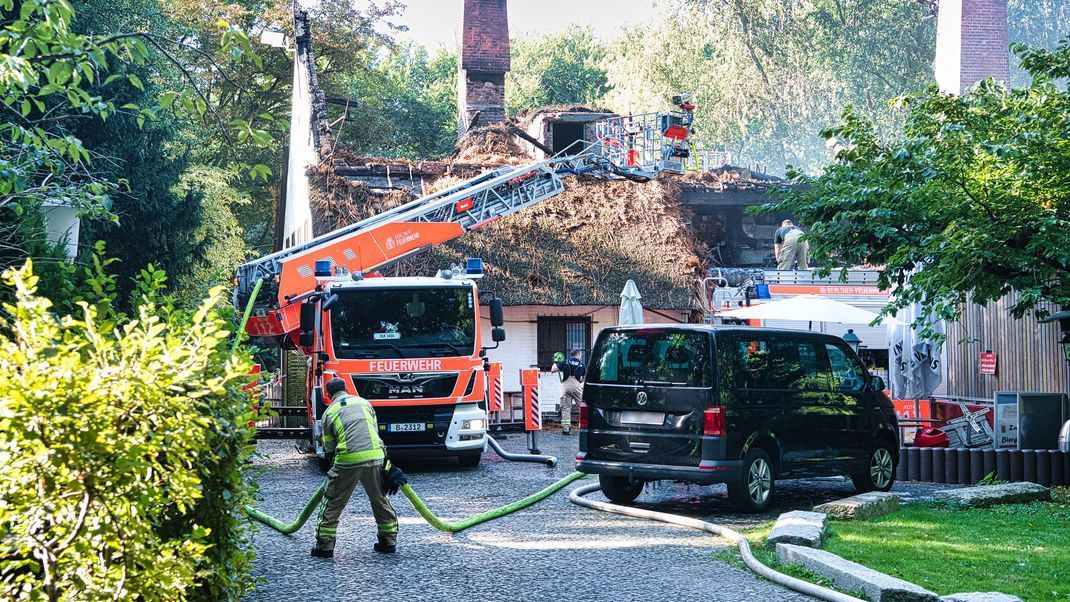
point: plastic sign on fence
(988, 363)
(529, 382)
(495, 399)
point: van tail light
(713, 422)
(583, 415)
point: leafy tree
(765, 72)
(66, 82)
(970, 201)
(1038, 23)
(406, 103)
(552, 69)
(123, 441)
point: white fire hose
(805, 587)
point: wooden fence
(1028, 354)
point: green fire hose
(420, 507)
(302, 518)
(483, 517)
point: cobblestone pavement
(553, 550)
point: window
(561, 334)
(404, 322)
(847, 373)
(758, 362)
(654, 356)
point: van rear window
(652, 357)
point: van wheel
(619, 490)
(880, 469)
(470, 460)
(754, 490)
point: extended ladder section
(388, 237)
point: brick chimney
(484, 59)
(971, 43)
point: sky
(435, 22)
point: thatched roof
(578, 248)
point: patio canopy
(811, 308)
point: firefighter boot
(324, 547)
(385, 545)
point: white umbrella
(631, 309)
(812, 308)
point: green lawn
(1019, 549)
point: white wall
(520, 347)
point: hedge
(122, 441)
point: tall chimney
(971, 43)
(484, 59)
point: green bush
(122, 442)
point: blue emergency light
(473, 266)
(323, 268)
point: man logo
(640, 398)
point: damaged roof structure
(578, 248)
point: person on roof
(572, 373)
(351, 435)
(788, 246)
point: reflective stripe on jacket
(350, 430)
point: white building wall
(520, 348)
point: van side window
(761, 363)
(847, 373)
(809, 376)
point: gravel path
(547, 552)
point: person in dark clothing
(788, 246)
(572, 371)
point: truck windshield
(407, 322)
(651, 357)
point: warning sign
(988, 363)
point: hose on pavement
(420, 507)
(288, 529)
(489, 514)
(550, 461)
(576, 496)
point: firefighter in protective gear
(351, 433)
(572, 372)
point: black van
(736, 405)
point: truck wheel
(619, 490)
(470, 460)
(754, 490)
(880, 469)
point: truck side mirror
(329, 302)
(497, 335)
(497, 314)
(308, 316)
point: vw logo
(640, 398)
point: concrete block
(989, 495)
(800, 528)
(979, 597)
(850, 576)
(861, 506)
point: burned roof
(578, 248)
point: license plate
(634, 417)
(406, 427)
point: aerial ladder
(293, 288)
